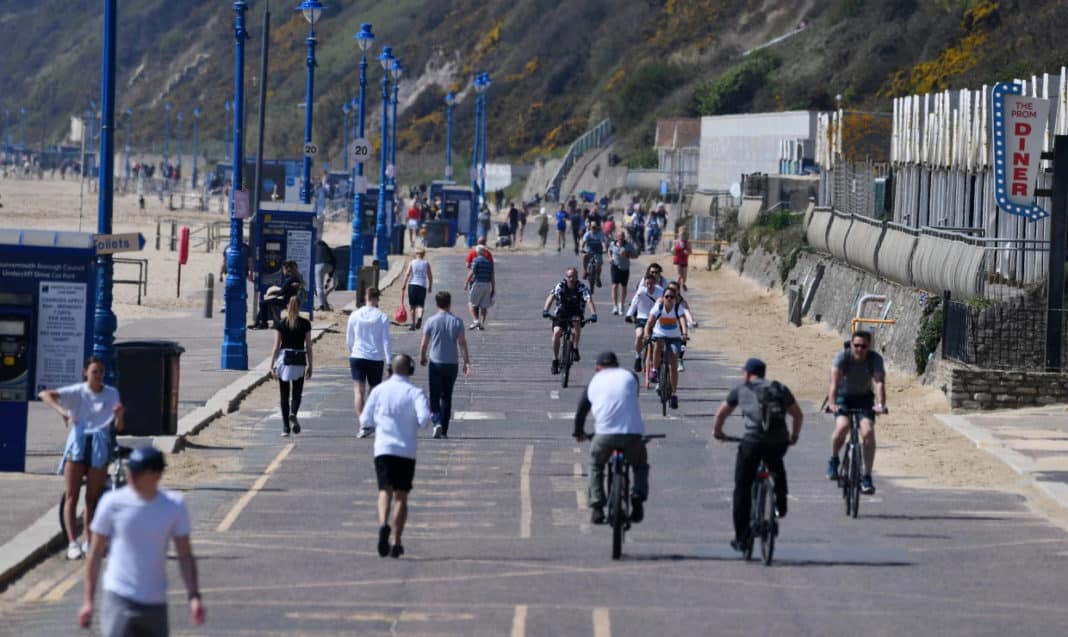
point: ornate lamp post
(228, 105)
(450, 99)
(345, 135)
(485, 113)
(396, 70)
(178, 118)
(312, 10)
(472, 228)
(365, 38)
(196, 142)
(167, 134)
(234, 346)
(104, 322)
(381, 231)
(129, 125)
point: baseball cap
(145, 459)
(756, 367)
(607, 359)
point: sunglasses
(860, 345)
(669, 296)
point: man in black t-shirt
(763, 441)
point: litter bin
(396, 240)
(436, 233)
(146, 375)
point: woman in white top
(419, 281)
(89, 409)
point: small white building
(733, 145)
(678, 146)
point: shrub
(645, 89)
(645, 158)
(930, 334)
(733, 91)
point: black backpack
(772, 399)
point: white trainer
(74, 551)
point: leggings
(283, 390)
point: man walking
(482, 284)
(622, 252)
(324, 270)
(137, 522)
(368, 341)
(396, 410)
(444, 337)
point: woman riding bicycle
(667, 327)
(89, 409)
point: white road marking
(245, 498)
(580, 493)
(554, 395)
(602, 623)
(478, 415)
(525, 513)
(561, 415)
(519, 621)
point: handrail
(592, 138)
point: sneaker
(637, 511)
(555, 367)
(739, 545)
(867, 487)
(615, 311)
(653, 378)
(437, 432)
(383, 540)
(473, 325)
(419, 323)
(832, 468)
(435, 418)
(444, 434)
(637, 365)
(411, 327)
(285, 432)
(74, 551)
(364, 432)
(674, 401)
(596, 514)
(396, 551)
(681, 366)
(481, 326)
(296, 424)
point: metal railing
(593, 138)
(142, 275)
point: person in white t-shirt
(367, 337)
(133, 527)
(396, 410)
(89, 409)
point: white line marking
(561, 415)
(602, 623)
(245, 498)
(525, 512)
(554, 395)
(580, 493)
(478, 415)
(519, 621)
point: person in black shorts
(367, 338)
(292, 356)
(571, 297)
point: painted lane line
(525, 512)
(61, 589)
(561, 415)
(519, 621)
(478, 415)
(554, 395)
(602, 623)
(39, 589)
(580, 492)
(261, 481)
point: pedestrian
(577, 226)
(682, 251)
(621, 251)
(135, 524)
(513, 222)
(90, 409)
(561, 228)
(367, 337)
(543, 226)
(524, 212)
(418, 281)
(396, 410)
(474, 252)
(325, 263)
(443, 342)
(292, 356)
(413, 223)
(482, 283)
(483, 222)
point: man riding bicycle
(765, 405)
(643, 302)
(612, 396)
(667, 327)
(594, 245)
(571, 297)
(854, 375)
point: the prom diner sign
(1019, 125)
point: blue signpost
(472, 230)
(196, 141)
(381, 227)
(483, 200)
(312, 10)
(129, 125)
(365, 38)
(450, 99)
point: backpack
(773, 410)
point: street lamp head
(228, 105)
(312, 10)
(167, 106)
(479, 83)
(396, 69)
(366, 37)
(197, 112)
(386, 57)
(450, 98)
(129, 112)
(178, 116)
(355, 103)
(345, 108)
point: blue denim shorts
(91, 448)
(670, 342)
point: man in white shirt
(367, 337)
(396, 410)
(638, 313)
(137, 522)
(612, 396)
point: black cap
(607, 359)
(756, 367)
(145, 459)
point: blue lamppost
(178, 118)
(104, 322)
(229, 106)
(129, 125)
(472, 226)
(450, 99)
(381, 231)
(365, 38)
(22, 128)
(196, 142)
(7, 126)
(485, 142)
(345, 134)
(167, 134)
(234, 345)
(396, 70)
(312, 10)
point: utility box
(147, 375)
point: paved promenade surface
(498, 541)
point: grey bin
(146, 375)
(436, 233)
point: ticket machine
(15, 347)
(285, 232)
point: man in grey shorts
(482, 283)
(137, 522)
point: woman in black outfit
(292, 356)
(271, 306)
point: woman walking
(419, 281)
(89, 409)
(292, 356)
(682, 252)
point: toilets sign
(1019, 125)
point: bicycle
(567, 352)
(763, 516)
(116, 477)
(617, 514)
(593, 270)
(664, 390)
(851, 466)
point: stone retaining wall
(973, 389)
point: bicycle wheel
(565, 362)
(843, 474)
(771, 525)
(616, 514)
(854, 482)
(755, 523)
(663, 388)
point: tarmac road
(498, 541)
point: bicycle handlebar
(645, 438)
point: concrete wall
(732, 145)
(972, 389)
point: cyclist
(594, 245)
(653, 232)
(561, 228)
(644, 301)
(854, 376)
(637, 228)
(690, 320)
(657, 271)
(765, 405)
(571, 297)
(667, 327)
(612, 396)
